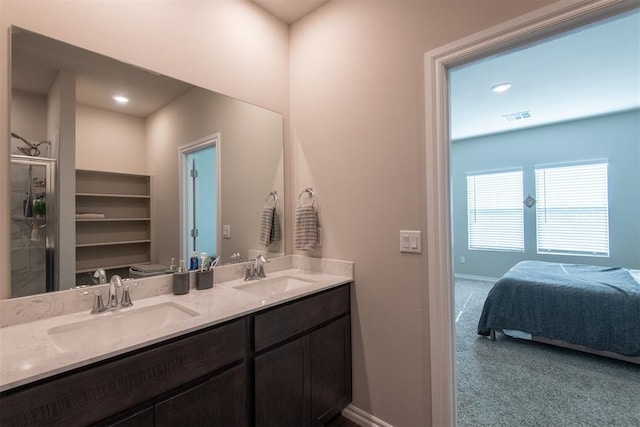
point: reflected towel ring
(272, 196)
(309, 192)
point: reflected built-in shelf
(121, 242)
(110, 219)
(122, 237)
(129, 196)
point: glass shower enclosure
(33, 225)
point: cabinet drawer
(280, 323)
(102, 390)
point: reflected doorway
(200, 197)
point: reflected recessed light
(501, 87)
(121, 99)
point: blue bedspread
(598, 307)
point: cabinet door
(220, 401)
(142, 418)
(330, 370)
(282, 385)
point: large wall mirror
(97, 183)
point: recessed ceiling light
(501, 87)
(121, 99)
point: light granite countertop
(28, 353)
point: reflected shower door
(32, 226)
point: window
(495, 218)
(572, 211)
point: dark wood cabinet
(289, 365)
(143, 418)
(218, 402)
(282, 385)
(306, 379)
(330, 351)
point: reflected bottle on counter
(193, 262)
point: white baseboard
(362, 418)
(478, 278)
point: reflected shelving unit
(114, 228)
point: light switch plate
(411, 241)
(226, 231)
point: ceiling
(592, 71)
(290, 11)
(36, 60)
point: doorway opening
(200, 197)
(552, 20)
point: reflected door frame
(183, 177)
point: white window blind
(494, 211)
(572, 211)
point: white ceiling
(290, 11)
(592, 71)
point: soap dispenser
(181, 280)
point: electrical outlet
(462, 260)
(226, 231)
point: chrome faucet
(112, 302)
(256, 270)
(114, 284)
(101, 275)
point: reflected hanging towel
(266, 225)
(306, 236)
(275, 227)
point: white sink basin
(275, 286)
(105, 328)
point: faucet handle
(126, 298)
(260, 272)
(98, 304)
(249, 272)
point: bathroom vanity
(284, 362)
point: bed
(585, 307)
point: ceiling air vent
(517, 116)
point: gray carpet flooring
(512, 382)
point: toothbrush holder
(204, 279)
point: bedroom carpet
(512, 382)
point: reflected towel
(89, 215)
(306, 236)
(269, 226)
(275, 229)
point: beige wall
(29, 118)
(357, 129)
(251, 156)
(109, 141)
